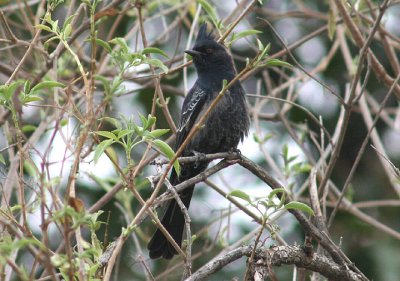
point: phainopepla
(224, 127)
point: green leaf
(67, 30)
(27, 87)
(28, 128)
(104, 44)
(54, 26)
(152, 50)
(239, 35)
(47, 85)
(210, 10)
(7, 91)
(30, 98)
(157, 63)
(150, 121)
(295, 205)
(100, 149)
(112, 121)
(68, 20)
(240, 194)
(282, 198)
(124, 132)
(158, 133)
(106, 134)
(167, 151)
(43, 27)
(276, 191)
(120, 42)
(49, 40)
(331, 24)
(30, 168)
(2, 160)
(292, 158)
(305, 168)
(224, 83)
(285, 151)
(144, 121)
(64, 122)
(104, 82)
(264, 52)
(260, 45)
(276, 62)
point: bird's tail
(173, 219)
(174, 222)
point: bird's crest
(203, 35)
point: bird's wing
(191, 108)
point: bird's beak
(193, 53)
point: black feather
(203, 35)
(224, 128)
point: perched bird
(224, 128)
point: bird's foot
(235, 154)
(235, 150)
(200, 158)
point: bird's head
(209, 56)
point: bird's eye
(209, 51)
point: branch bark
(278, 256)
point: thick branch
(278, 256)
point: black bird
(225, 126)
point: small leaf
(47, 85)
(124, 132)
(150, 121)
(240, 194)
(104, 44)
(54, 26)
(112, 121)
(158, 133)
(68, 20)
(260, 45)
(167, 150)
(120, 42)
(31, 98)
(242, 34)
(224, 83)
(299, 206)
(144, 121)
(7, 91)
(107, 134)
(264, 52)
(28, 128)
(275, 192)
(64, 122)
(2, 160)
(105, 83)
(27, 87)
(331, 24)
(100, 149)
(152, 50)
(285, 151)
(292, 158)
(276, 62)
(49, 40)
(210, 10)
(67, 31)
(43, 27)
(157, 63)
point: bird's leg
(235, 150)
(235, 155)
(200, 157)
